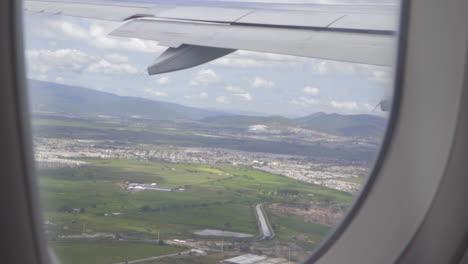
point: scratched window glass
(204, 131)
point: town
(57, 152)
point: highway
(263, 222)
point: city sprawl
(67, 152)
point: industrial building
(255, 259)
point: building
(244, 259)
(255, 259)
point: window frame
(369, 234)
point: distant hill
(345, 125)
(336, 124)
(83, 102)
(243, 121)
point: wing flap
(184, 57)
(374, 49)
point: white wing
(198, 34)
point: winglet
(185, 56)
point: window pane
(253, 157)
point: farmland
(224, 193)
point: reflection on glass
(250, 158)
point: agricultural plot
(107, 252)
(93, 200)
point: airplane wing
(196, 34)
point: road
(155, 258)
(263, 222)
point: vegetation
(107, 252)
(220, 197)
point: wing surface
(196, 34)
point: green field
(107, 252)
(210, 259)
(216, 197)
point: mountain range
(46, 97)
(84, 102)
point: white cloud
(156, 93)
(160, 94)
(61, 60)
(245, 96)
(250, 59)
(352, 107)
(116, 58)
(223, 100)
(368, 107)
(59, 80)
(237, 91)
(304, 101)
(44, 61)
(311, 90)
(259, 82)
(69, 29)
(96, 34)
(345, 106)
(380, 75)
(42, 77)
(234, 89)
(205, 77)
(164, 80)
(203, 95)
(103, 66)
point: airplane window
(204, 131)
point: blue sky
(78, 52)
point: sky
(79, 52)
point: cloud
(304, 101)
(348, 106)
(368, 107)
(42, 61)
(103, 66)
(245, 96)
(59, 80)
(352, 107)
(164, 80)
(203, 95)
(233, 89)
(311, 90)
(205, 77)
(116, 58)
(223, 100)
(237, 91)
(61, 60)
(250, 59)
(379, 74)
(96, 34)
(259, 82)
(155, 93)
